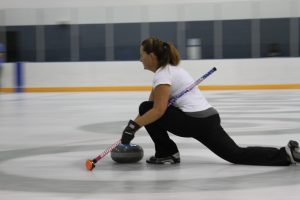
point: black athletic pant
(209, 132)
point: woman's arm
(160, 95)
(151, 95)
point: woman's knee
(145, 106)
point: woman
(191, 116)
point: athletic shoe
(293, 151)
(173, 159)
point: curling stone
(127, 153)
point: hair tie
(165, 45)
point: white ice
(46, 138)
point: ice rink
(46, 138)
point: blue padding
(2, 48)
(19, 77)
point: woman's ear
(152, 55)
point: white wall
(243, 71)
(37, 12)
(8, 75)
(83, 74)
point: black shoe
(173, 159)
(293, 151)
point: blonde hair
(165, 52)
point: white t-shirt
(179, 80)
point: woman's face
(149, 60)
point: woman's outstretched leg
(218, 141)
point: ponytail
(174, 55)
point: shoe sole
(293, 144)
(166, 162)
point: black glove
(129, 131)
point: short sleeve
(162, 76)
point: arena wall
(263, 73)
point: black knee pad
(145, 106)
